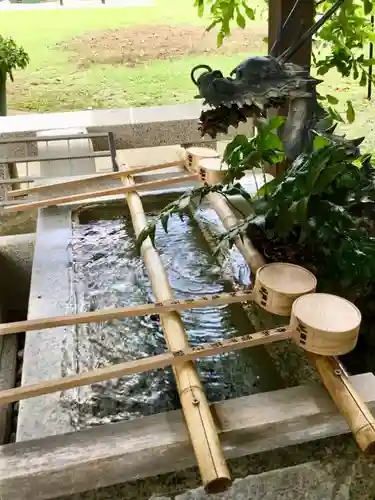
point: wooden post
(301, 19)
(3, 94)
(199, 420)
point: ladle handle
(359, 418)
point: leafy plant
(339, 44)
(319, 212)
(12, 57)
(224, 12)
(322, 206)
(241, 154)
(265, 147)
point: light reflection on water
(109, 273)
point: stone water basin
(85, 259)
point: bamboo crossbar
(77, 182)
(125, 312)
(172, 358)
(60, 200)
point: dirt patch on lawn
(140, 44)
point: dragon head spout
(255, 85)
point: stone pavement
(311, 481)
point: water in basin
(108, 272)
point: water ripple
(109, 273)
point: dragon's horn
(199, 66)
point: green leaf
(301, 211)
(239, 143)
(268, 188)
(275, 122)
(164, 221)
(335, 115)
(11, 56)
(363, 79)
(152, 234)
(220, 38)
(320, 142)
(213, 24)
(273, 141)
(368, 6)
(357, 163)
(350, 113)
(368, 62)
(241, 21)
(184, 203)
(200, 5)
(249, 11)
(332, 99)
(143, 235)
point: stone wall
(133, 127)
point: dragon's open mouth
(217, 120)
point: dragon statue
(255, 86)
(264, 82)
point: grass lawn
(55, 81)
(60, 78)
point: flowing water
(108, 272)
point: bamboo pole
(177, 359)
(199, 420)
(125, 312)
(359, 418)
(60, 200)
(349, 403)
(81, 182)
(229, 220)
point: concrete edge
(50, 294)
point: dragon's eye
(217, 74)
